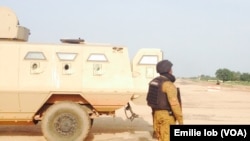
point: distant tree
(245, 77)
(206, 77)
(236, 76)
(203, 77)
(224, 74)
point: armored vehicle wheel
(85, 108)
(65, 121)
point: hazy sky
(197, 36)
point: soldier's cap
(163, 66)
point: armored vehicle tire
(85, 108)
(65, 121)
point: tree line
(228, 75)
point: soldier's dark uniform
(163, 99)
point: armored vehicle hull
(67, 85)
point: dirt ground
(203, 103)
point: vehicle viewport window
(97, 57)
(148, 60)
(34, 56)
(66, 56)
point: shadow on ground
(103, 129)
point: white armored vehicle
(66, 85)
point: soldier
(163, 98)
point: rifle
(179, 96)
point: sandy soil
(203, 103)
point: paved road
(203, 103)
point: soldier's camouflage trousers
(162, 121)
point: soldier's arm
(171, 91)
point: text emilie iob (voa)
(217, 132)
